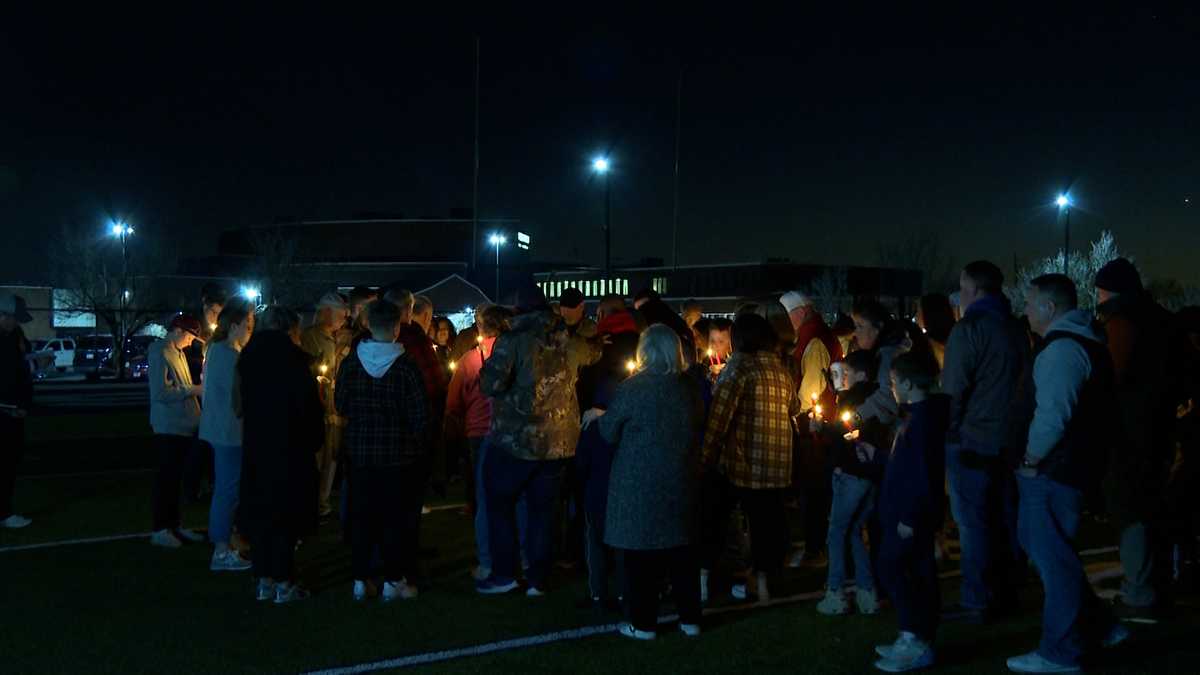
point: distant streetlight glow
(1063, 201)
(251, 293)
(497, 240)
(1064, 207)
(600, 165)
(121, 230)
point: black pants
(197, 469)
(274, 555)
(12, 450)
(386, 515)
(644, 574)
(908, 571)
(172, 453)
(818, 500)
(765, 511)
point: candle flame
(479, 339)
(631, 365)
(212, 326)
(847, 416)
(711, 353)
(454, 365)
(324, 368)
(817, 409)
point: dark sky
(812, 136)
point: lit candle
(324, 369)
(631, 365)
(847, 417)
(212, 327)
(479, 339)
(817, 409)
(453, 366)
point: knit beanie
(1119, 276)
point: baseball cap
(332, 299)
(14, 305)
(187, 323)
(794, 299)
(571, 298)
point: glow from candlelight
(847, 416)
(453, 365)
(479, 339)
(631, 365)
(324, 368)
(818, 409)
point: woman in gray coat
(655, 421)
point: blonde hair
(659, 351)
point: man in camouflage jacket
(531, 378)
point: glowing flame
(324, 369)
(453, 365)
(631, 365)
(818, 409)
(847, 416)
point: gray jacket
(654, 422)
(1059, 374)
(174, 400)
(985, 358)
(221, 421)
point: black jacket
(16, 383)
(914, 484)
(283, 427)
(870, 430)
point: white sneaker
(866, 601)
(15, 522)
(704, 587)
(394, 590)
(764, 595)
(165, 539)
(626, 629)
(902, 643)
(690, 629)
(265, 590)
(834, 604)
(190, 535)
(229, 561)
(360, 591)
(480, 573)
(285, 593)
(1034, 663)
(534, 592)
(1116, 635)
(738, 591)
(425, 510)
(907, 654)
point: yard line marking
(74, 542)
(81, 474)
(446, 507)
(581, 633)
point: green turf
(127, 607)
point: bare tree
(125, 295)
(1081, 268)
(279, 267)
(829, 290)
(922, 250)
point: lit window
(624, 287)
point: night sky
(810, 136)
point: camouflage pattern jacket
(531, 378)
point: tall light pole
(497, 240)
(1064, 207)
(123, 231)
(600, 166)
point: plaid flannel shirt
(387, 418)
(749, 432)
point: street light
(600, 165)
(252, 294)
(1064, 206)
(123, 231)
(497, 240)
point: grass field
(123, 606)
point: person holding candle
(911, 511)
(858, 470)
(221, 426)
(470, 412)
(198, 466)
(747, 452)
(320, 341)
(594, 455)
(720, 345)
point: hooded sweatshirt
(382, 397)
(464, 400)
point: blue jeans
(1073, 619)
(909, 574)
(483, 550)
(508, 479)
(983, 499)
(227, 470)
(853, 505)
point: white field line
(140, 535)
(590, 631)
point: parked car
(64, 351)
(41, 360)
(137, 367)
(92, 354)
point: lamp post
(497, 240)
(600, 166)
(1064, 207)
(123, 231)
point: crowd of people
(667, 450)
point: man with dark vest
(1065, 457)
(816, 350)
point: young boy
(910, 509)
(855, 486)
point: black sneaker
(974, 616)
(1131, 614)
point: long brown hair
(236, 312)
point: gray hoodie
(1059, 373)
